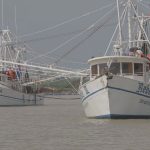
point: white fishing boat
(119, 85)
(12, 77)
(20, 82)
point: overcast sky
(35, 15)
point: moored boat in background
(12, 77)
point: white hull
(118, 97)
(10, 97)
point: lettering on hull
(143, 89)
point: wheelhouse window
(94, 70)
(127, 68)
(115, 68)
(138, 69)
(102, 68)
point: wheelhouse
(130, 67)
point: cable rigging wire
(67, 21)
(46, 37)
(116, 28)
(82, 41)
(48, 57)
(76, 36)
(147, 5)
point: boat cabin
(137, 68)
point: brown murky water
(61, 125)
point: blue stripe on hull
(119, 89)
(84, 98)
(117, 116)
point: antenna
(119, 23)
(16, 27)
(129, 23)
(2, 14)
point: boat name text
(143, 89)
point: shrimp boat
(119, 85)
(13, 76)
(20, 82)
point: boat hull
(116, 97)
(10, 97)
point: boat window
(115, 68)
(138, 69)
(127, 68)
(102, 68)
(94, 70)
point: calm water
(61, 125)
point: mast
(119, 24)
(16, 27)
(2, 15)
(129, 23)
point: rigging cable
(75, 90)
(82, 41)
(123, 15)
(147, 5)
(74, 37)
(67, 21)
